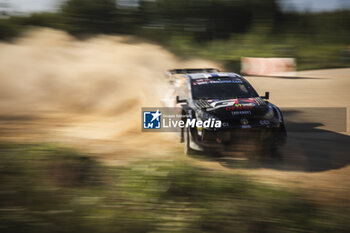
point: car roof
(214, 75)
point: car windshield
(221, 89)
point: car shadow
(309, 149)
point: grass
(45, 188)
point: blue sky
(300, 5)
(315, 5)
(32, 5)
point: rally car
(247, 119)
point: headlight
(269, 115)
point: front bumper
(240, 137)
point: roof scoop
(193, 70)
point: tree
(89, 16)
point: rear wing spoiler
(191, 71)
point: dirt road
(315, 161)
(89, 94)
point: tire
(187, 142)
(182, 135)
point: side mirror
(267, 95)
(178, 101)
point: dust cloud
(56, 88)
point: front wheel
(187, 142)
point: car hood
(234, 108)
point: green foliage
(38, 19)
(8, 30)
(223, 30)
(207, 20)
(45, 188)
(89, 16)
(308, 54)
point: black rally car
(248, 120)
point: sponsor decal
(208, 81)
(249, 100)
(234, 104)
(225, 124)
(234, 113)
(239, 107)
(264, 122)
(244, 121)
